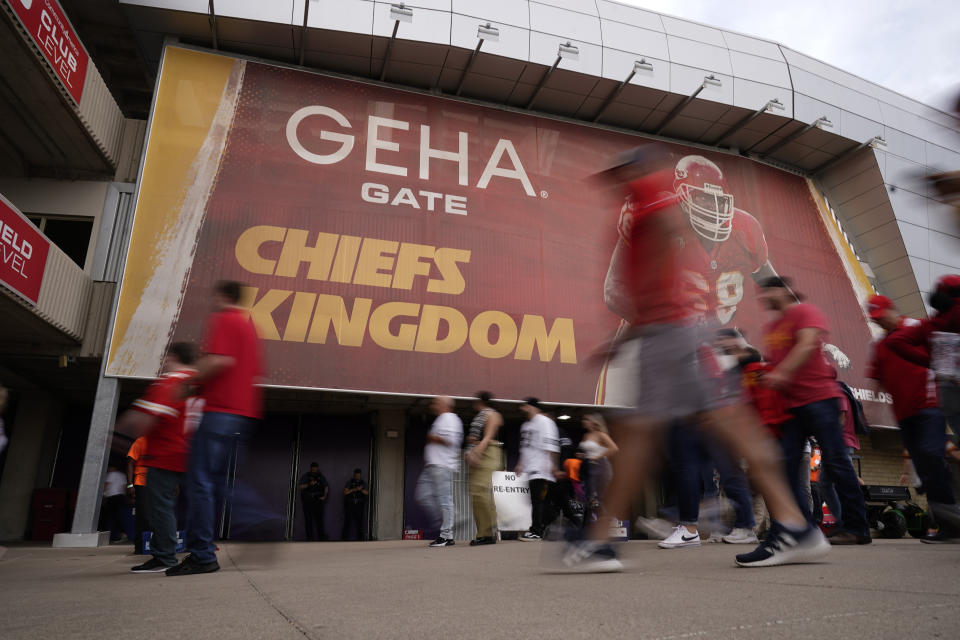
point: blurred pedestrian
(913, 388)
(596, 448)
(539, 460)
(137, 491)
(226, 378)
(484, 455)
(677, 374)
(111, 507)
(441, 457)
(161, 414)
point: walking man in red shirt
(226, 377)
(162, 415)
(922, 425)
(793, 344)
(678, 378)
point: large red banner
(49, 28)
(398, 242)
(23, 252)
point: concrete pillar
(389, 441)
(87, 515)
(38, 416)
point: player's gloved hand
(838, 356)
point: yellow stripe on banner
(188, 96)
(858, 276)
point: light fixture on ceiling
(398, 13)
(401, 13)
(488, 32)
(563, 416)
(711, 81)
(769, 106)
(823, 122)
(642, 65)
(484, 32)
(569, 51)
(877, 141)
(638, 65)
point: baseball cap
(877, 304)
(948, 282)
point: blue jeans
(821, 420)
(210, 451)
(925, 440)
(162, 513)
(434, 493)
(695, 457)
(828, 492)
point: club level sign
(23, 253)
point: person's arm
(494, 422)
(608, 442)
(364, 490)
(210, 366)
(615, 286)
(131, 467)
(304, 483)
(911, 343)
(432, 437)
(808, 341)
(347, 490)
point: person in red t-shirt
(161, 415)
(793, 344)
(922, 425)
(678, 377)
(226, 379)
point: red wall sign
(46, 23)
(23, 252)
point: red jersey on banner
(165, 446)
(816, 379)
(912, 386)
(768, 402)
(231, 333)
(714, 273)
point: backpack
(860, 425)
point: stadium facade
(404, 189)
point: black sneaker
(939, 538)
(189, 566)
(478, 542)
(150, 566)
(442, 542)
(782, 546)
(529, 536)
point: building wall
(61, 198)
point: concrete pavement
(891, 589)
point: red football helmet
(703, 196)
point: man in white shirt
(441, 459)
(539, 453)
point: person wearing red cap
(934, 343)
(922, 424)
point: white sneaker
(740, 535)
(655, 528)
(529, 537)
(680, 537)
